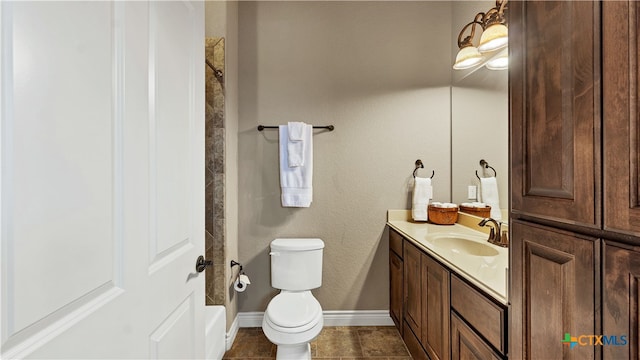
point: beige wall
(379, 72)
(222, 20)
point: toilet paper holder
(242, 280)
(234, 263)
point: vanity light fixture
(494, 37)
(500, 61)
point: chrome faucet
(496, 235)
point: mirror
(479, 119)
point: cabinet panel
(396, 289)
(412, 288)
(413, 344)
(621, 120)
(435, 309)
(552, 292)
(395, 242)
(466, 344)
(554, 76)
(483, 314)
(621, 293)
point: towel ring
(419, 165)
(485, 165)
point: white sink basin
(460, 244)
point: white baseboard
(331, 318)
(231, 334)
(357, 318)
(250, 319)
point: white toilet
(294, 317)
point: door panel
(170, 63)
(167, 340)
(552, 291)
(412, 288)
(100, 147)
(621, 297)
(554, 77)
(47, 196)
(435, 308)
(396, 280)
(176, 178)
(466, 344)
(621, 122)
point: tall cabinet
(575, 191)
(621, 167)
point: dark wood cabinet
(435, 309)
(413, 344)
(554, 292)
(575, 159)
(433, 294)
(621, 294)
(466, 344)
(483, 314)
(413, 288)
(426, 303)
(554, 94)
(396, 290)
(621, 119)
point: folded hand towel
(489, 192)
(295, 182)
(296, 130)
(422, 192)
(296, 143)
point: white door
(102, 194)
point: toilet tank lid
(296, 244)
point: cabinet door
(621, 122)
(621, 293)
(412, 288)
(555, 115)
(435, 309)
(466, 344)
(395, 289)
(552, 292)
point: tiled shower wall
(214, 170)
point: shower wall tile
(218, 150)
(214, 170)
(209, 205)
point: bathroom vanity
(447, 290)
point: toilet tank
(296, 264)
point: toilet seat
(293, 312)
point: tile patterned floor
(335, 343)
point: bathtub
(215, 333)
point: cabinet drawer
(484, 315)
(465, 344)
(395, 242)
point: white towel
(296, 130)
(296, 143)
(295, 182)
(422, 192)
(489, 193)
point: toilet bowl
(292, 321)
(293, 318)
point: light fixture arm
(468, 41)
(495, 15)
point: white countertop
(488, 273)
